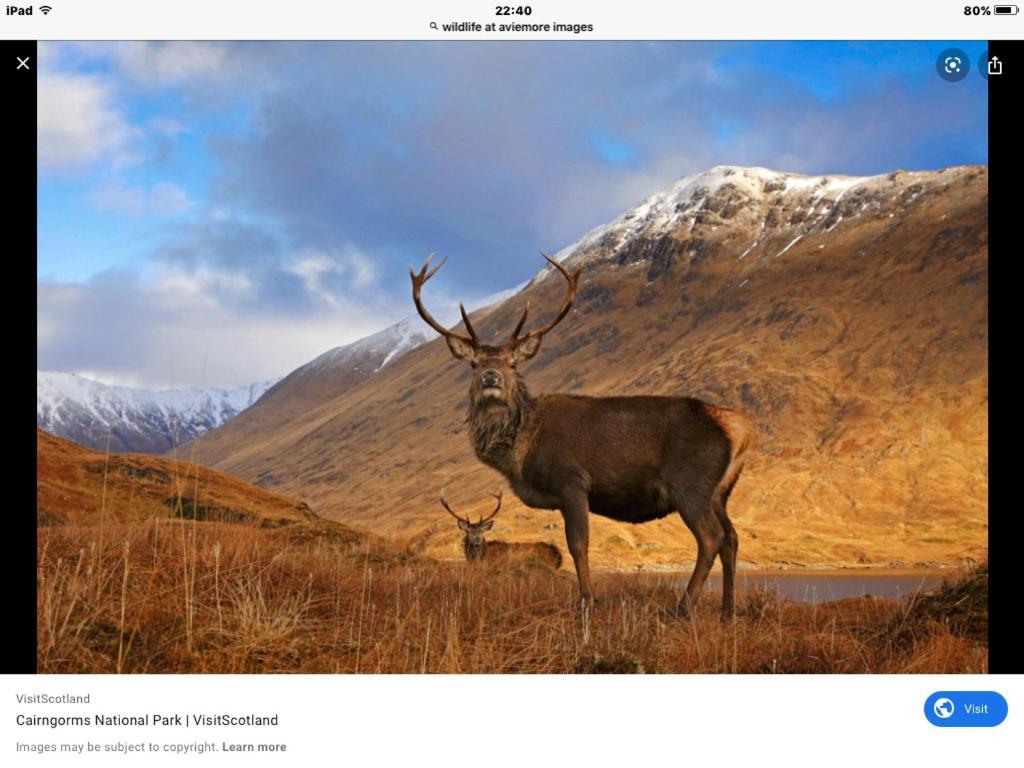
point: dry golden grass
(172, 595)
(130, 583)
(76, 485)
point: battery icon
(1006, 10)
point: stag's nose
(490, 378)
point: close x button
(965, 709)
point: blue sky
(218, 213)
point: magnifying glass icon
(433, 25)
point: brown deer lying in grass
(477, 548)
(632, 459)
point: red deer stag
(631, 459)
(477, 548)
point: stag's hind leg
(739, 432)
(730, 546)
(710, 535)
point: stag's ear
(464, 525)
(526, 348)
(488, 525)
(460, 349)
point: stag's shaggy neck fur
(474, 550)
(495, 424)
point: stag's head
(474, 544)
(495, 380)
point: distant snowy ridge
(381, 348)
(87, 411)
(385, 347)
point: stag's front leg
(576, 514)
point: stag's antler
(572, 278)
(496, 509)
(418, 280)
(466, 520)
(444, 503)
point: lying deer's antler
(444, 503)
(496, 509)
(466, 520)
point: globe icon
(943, 708)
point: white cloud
(166, 126)
(76, 121)
(185, 290)
(170, 327)
(164, 198)
(322, 272)
(115, 197)
(79, 118)
(165, 62)
(169, 198)
(363, 270)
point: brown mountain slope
(847, 318)
(77, 485)
(328, 376)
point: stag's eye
(472, 364)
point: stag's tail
(739, 432)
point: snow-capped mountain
(755, 207)
(683, 202)
(90, 412)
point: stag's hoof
(685, 609)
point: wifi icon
(45, 9)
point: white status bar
(541, 19)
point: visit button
(965, 709)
